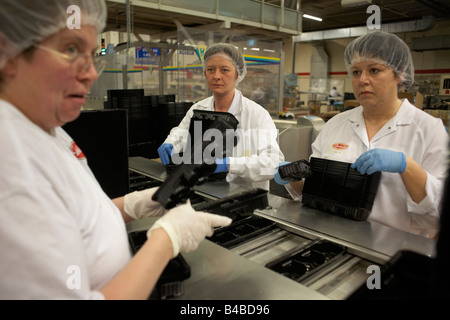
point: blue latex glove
(222, 165)
(277, 177)
(165, 151)
(380, 160)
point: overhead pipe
(424, 24)
(441, 42)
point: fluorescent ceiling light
(311, 17)
(352, 3)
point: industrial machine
(444, 87)
(301, 133)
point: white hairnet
(27, 22)
(384, 48)
(232, 53)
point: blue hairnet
(384, 48)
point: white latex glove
(187, 228)
(139, 204)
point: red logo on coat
(77, 151)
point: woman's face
(221, 75)
(53, 92)
(374, 84)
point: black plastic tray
(239, 204)
(337, 188)
(170, 283)
(242, 230)
(223, 122)
(301, 264)
(295, 171)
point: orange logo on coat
(340, 146)
(77, 151)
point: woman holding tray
(387, 134)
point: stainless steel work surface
(366, 235)
(217, 273)
(148, 167)
(240, 272)
(220, 274)
(156, 170)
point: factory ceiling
(162, 25)
(336, 16)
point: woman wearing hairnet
(256, 152)
(61, 237)
(388, 134)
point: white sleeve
(41, 248)
(434, 162)
(179, 134)
(262, 153)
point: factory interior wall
(427, 63)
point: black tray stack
(150, 118)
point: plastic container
(337, 188)
(295, 171)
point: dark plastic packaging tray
(299, 265)
(295, 171)
(170, 283)
(210, 120)
(179, 185)
(337, 188)
(241, 230)
(239, 204)
(224, 122)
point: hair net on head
(384, 48)
(27, 22)
(232, 53)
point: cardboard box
(289, 103)
(416, 100)
(349, 104)
(419, 100)
(409, 96)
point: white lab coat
(257, 152)
(61, 237)
(413, 132)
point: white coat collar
(401, 118)
(236, 104)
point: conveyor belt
(336, 280)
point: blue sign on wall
(142, 56)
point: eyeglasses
(79, 62)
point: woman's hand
(380, 160)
